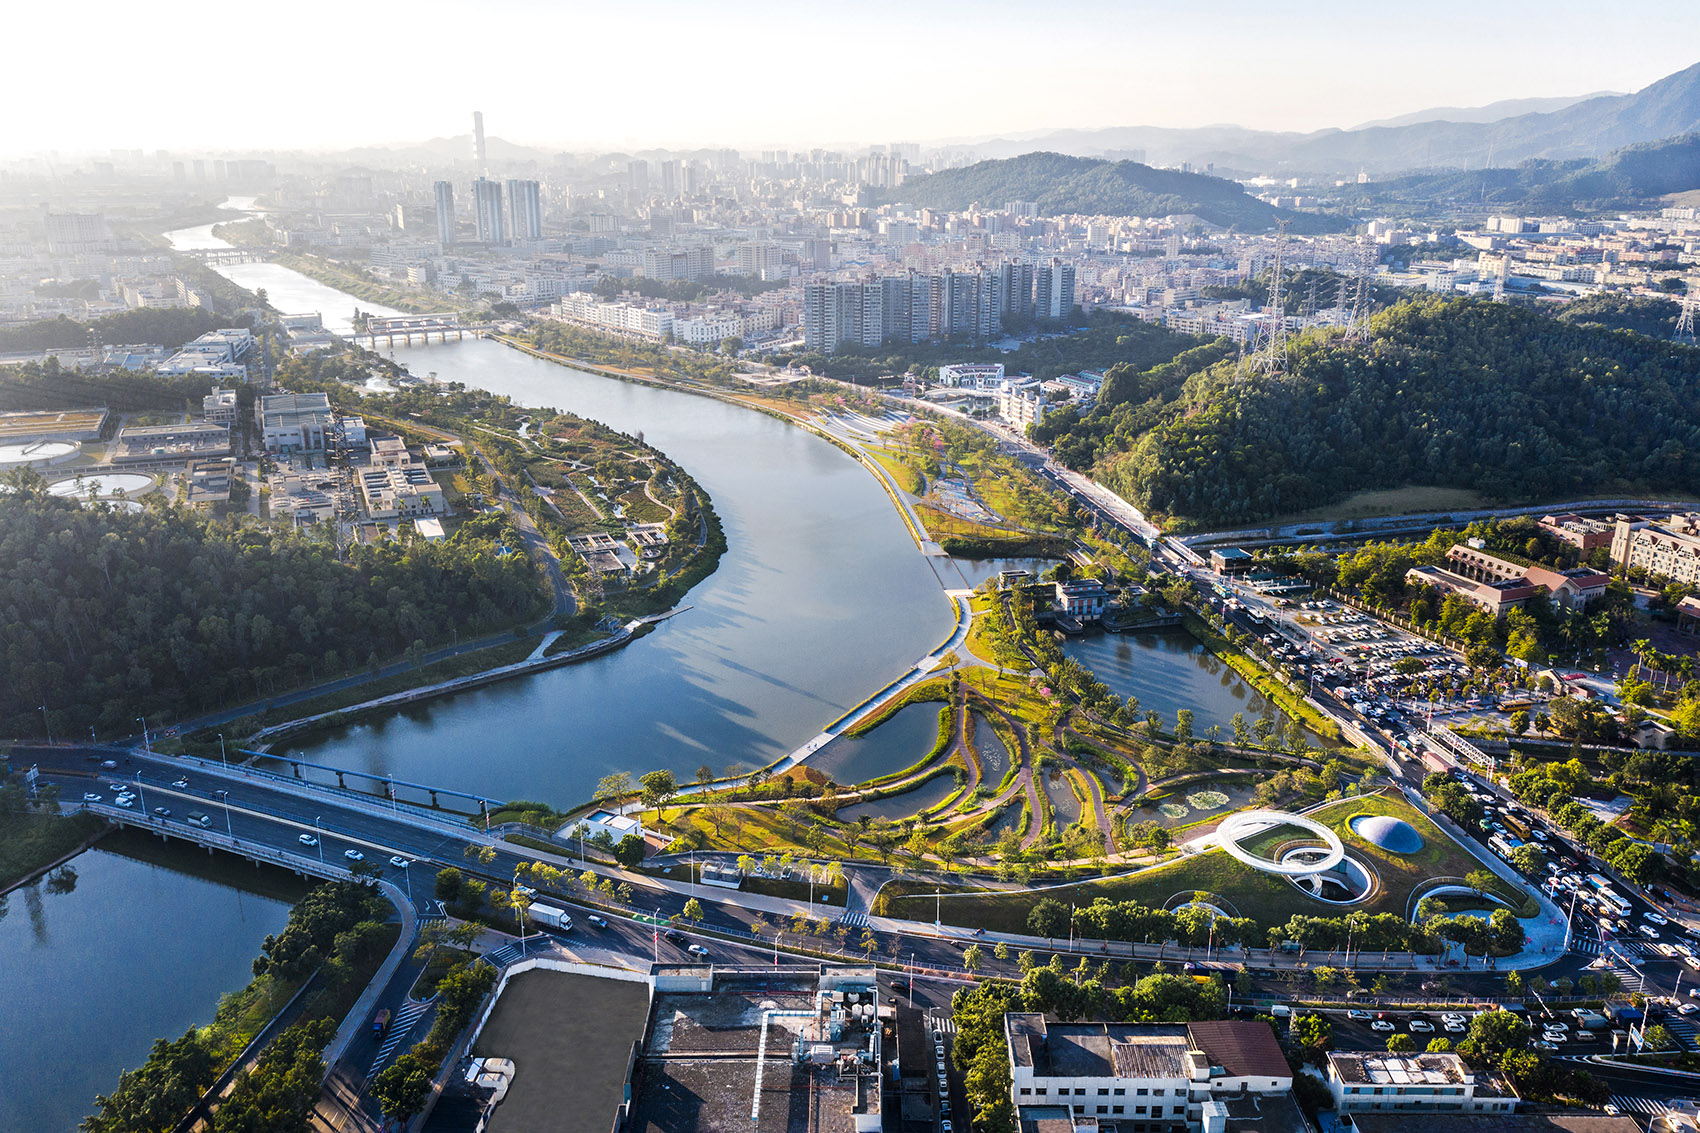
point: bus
(1599, 881)
(1616, 901)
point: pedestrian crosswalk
(1631, 1103)
(407, 1015)
(1684, 1031)
(945, 1024)
(505, 955)
(1590, 947)
(855, 919)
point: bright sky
(580, 75)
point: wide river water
(821, 599)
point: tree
(282, 1089)
(629, 850)
(1401, 1044)
(1440, 1044)
(693, 910)
(156, 1095)
(1183, 725)
(612, 788)
(1048, 918)
(1313, 1031)
(659, 788)
(1495, 1032)
(972, 958)
(1480, 880)
(402, 1088)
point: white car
(1381, 1025)
(307, 840)
(90, 797)
(1647, 931)
(1456, 1028)
(697, 950)
(354, 855)
(181, 784)
(1656, 918)
(399, 862)
(1688, 1009)
(1422, 1026)
(1455, 1017)
(1612, 1110)
(125, 800)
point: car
(697, 950)
(674, 936)
(944, 1086)
(1694, 992)
(181, 784)
(1612, 1110)
(354, 855)
(1381, 1025)
(1647, 931)
(307, 840)
(125, 800)
(1585, 1036)
(944, 1126)
(596, 921)
(1688, 1009)
(1355, 1014)
(944, 1107)
(938, 1037)
(109, 764)
(162, 811)
(1545, 1045)
(1456, 1028)
(1656, 918)
(1422, 1026)
(399, 862)
(941, 1066)
(90, 797)
(118, 788)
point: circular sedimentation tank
(1394, 835)
(102, 484)
(36, 454)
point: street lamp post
(46, 725)
(319, 836)
(224, 797)
(222, 757)
(147, 743)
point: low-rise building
(1494, 597)
(1085, 599)
(1144, 1077)
(1670, 549)
(1022, 403)
(1580, 532)
(1230, 560)
(1379, 1082)
(294, 422)
(983, 376)
(401, 493)
(219, 407)
(208, 482)
(164, 444)
(296, 500)
(390, 452)
(1569, 589)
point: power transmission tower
(1685, 320)
(1358, 320)
(1273, 361)
(1499, 278)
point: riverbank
(33, 844)
(1259, 678)
(361, 287)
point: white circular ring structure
(1249, 822)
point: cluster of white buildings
(1021, 400)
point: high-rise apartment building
(1053, 296)
(669, 179)
(525, 209)
(487, 211)
(445, 194)
(841, 314)
(637, 177)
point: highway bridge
(406, 328)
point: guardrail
(358, 800)
(216, 840)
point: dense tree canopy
(108, 614)
(1457, 393)
(169, 327)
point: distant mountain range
(1059, 184)
(1492, 112)
(1632, 175)
(1591, 128)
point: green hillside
(1062, 184)
(1458, 393)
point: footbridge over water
(405, 328)
(236, 255)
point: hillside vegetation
(1062, 184)
(107, 614)
(1456, 393)
(1633, 174)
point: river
(141, 949)
(821, 599)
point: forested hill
(108, 614)
(1456, 393)
(1061, 184)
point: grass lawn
(29, 842)
(1390, 501)
(1268, 899)
(906, 477)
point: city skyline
(744, 76)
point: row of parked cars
(1453, 1022)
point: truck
(550, 915)
(380, 1023)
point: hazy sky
(316, 73)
